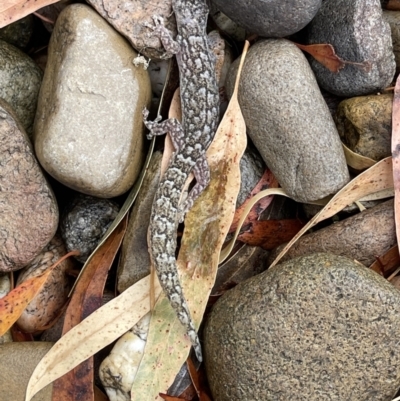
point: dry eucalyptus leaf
(387, 261)
(206, 226)
(101, 328)
(14, 303)
(356, 161)
(13, 10)
(376, 178)
(86, 298)
(326, 55)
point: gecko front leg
(158, 127)
(170, 45)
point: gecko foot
(158, 24)
(150, 124)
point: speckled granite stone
(272, 18)
(46, 306)
(19, 32)
(364, 124)
(358, 32)
(321, 327)
(84, 222)
(288, 120)
(20, 80)
(28, 209)
(128, 18)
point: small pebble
(84, 222)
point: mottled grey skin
(200, 110)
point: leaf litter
(86, 298)
(216, 207)
(117, 316)
(15, 302)
(206, 226)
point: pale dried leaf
(267, 192)
(356, 161)
(376, 178)
(13, 10)
(206, 226)
(101, 328)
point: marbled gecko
(191, 138)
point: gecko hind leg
(158, 127)
(201, 172)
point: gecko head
(191, 15)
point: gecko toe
(145, 113)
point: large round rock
(289, 122)
(359, 34)
(272, 18)
(28, 209)
(89, 131)
(314, 328)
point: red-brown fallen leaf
(77, 385)
(393, 5)
(13, 10)
(387, 262)
(15, 302)
(20, 336)
(268, 180)
(197, 380)
(270, 233)
(167, 397)
(197, 377)
(326, 55)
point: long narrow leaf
(15, 302)
(13, 10)
(206, 227)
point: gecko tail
(186, 320)
(178, 302)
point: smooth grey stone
(289, 121)
(251, 170)
(18, 33)
(226, 25)
(20, 80)
(28, 209)
(365, 125)
(89, 130)
(393, 19)
(134, 263)
(18, 361)
(358, 34)
(320, 327)
(273, 18)
(84, 222)
(362, 237)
